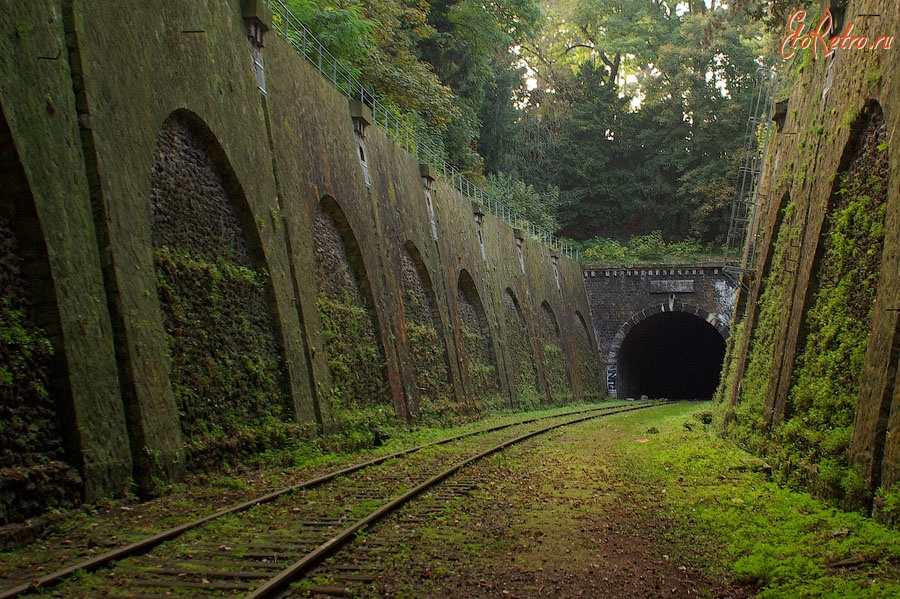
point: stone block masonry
(197, 237)
(811, 380)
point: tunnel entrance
(673, 355)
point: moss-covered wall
(219, 272)
(811, 374)
(227, 368)
(65, 286)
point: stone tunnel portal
(673, 355)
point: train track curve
(257, 548)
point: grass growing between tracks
(646, 504)
(65, 538)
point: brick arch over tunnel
(671, 350)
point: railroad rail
(257, 548)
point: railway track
(258, 548)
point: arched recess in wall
(587, 364)
(671, 350)
(352, 335)
(478, 357)
(521, 358)
(227, 364)
(35, 473)
(838, 308)
(555, 362)
(425, 341)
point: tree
(648, 101)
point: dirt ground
(553, 519)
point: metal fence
(305, 43)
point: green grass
(787, 543)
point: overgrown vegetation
(783, 543)
(649, 248)
(808, 443)
(227, 373)
(437, 403)
(816, 435)
(34, 474)
(478, 360)
(592, 117)
(354, 360)
(524, 372)
(745, 421)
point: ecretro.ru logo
(816, 38)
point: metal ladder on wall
(740, 244)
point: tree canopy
(602, 118)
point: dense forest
(616, 123)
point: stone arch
(687, 317)
(839, 305)
(867, 142)
(425, 341)
(228, 372)
(479, 358)
(585, 352)
(346, 306)
(35, 399)
(554, 355)
(523, 372)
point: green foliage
(24, 346)
(34, 475)
(436, 398)
(644, 109)
(783, 543)
(482, 372)
(649, 248)
(829, 367)
(555, 366)
(343, 29)
(522, 198)
(354, 359)
(745, 422)
(887, 506)
(227, 373)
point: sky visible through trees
(608, 121)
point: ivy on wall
(359, 395)
(34, 475)
(425, 343)
(227, 368)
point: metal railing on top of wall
(305, 43)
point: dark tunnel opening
(673, 355)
